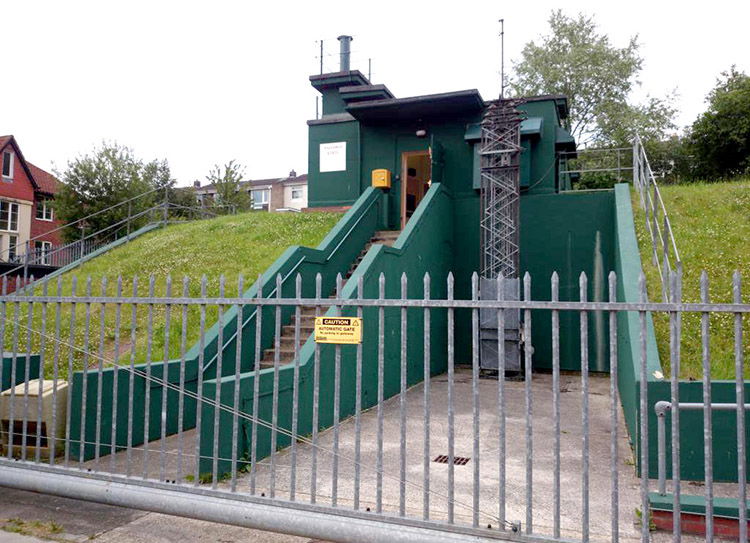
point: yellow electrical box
(381, 179)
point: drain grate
(457, 460)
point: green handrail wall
(10, 379)
(425, 245)
(333, 255)
(724, 438)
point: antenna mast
(502, 58)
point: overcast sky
(201, 83)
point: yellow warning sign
(343, 330)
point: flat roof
(418, 107)
(339, 79)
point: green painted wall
(724, 439)
(570, 232)
(7, 376)
(334, 255)
(334, 188)
(422, 246)
(541, 176)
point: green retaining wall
(424, 245)
(570, 232)
(724, 439)
(6, 369)
(334, 255)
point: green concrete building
(434, 138)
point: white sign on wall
(333, 157)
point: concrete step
(304, 330)
(285, 355)
(387, 234)
(287, 342)
(305, 321)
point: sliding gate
(396, 438)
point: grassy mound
(229, 247)
(711, 223)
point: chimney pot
(292, 174)
(197, 184)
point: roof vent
(345, 50)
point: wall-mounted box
(381, 179)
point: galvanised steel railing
(664, 253)
(450, 457)
(64, 254)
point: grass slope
(711, 223)
(245, 244)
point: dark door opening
(415, 181)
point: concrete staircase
(307, 312)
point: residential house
(26, 214)
(276, 194)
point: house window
(260, 198)
(7, 165)
(296, 194)
(8, 216)
(42, 250)
(12, 251)
(44, 210)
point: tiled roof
(45, 180)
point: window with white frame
(12, 248)
(42, 250)
(44, 210)
(297, 193)
(7, 165)
(260, 198)
(8, 216)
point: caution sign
(342, 330)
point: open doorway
(415, 181)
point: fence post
(130, 214)
(166, 203)
(26, 262)
(83, 236)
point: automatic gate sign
(341, 330)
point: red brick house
(26, 216)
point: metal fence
(397, 438)
(598, 166)
(136, 212)
(664, 252)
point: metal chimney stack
(345, 50)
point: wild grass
(711, 224)
(229, 247)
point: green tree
(93, 183)
(719, 140)
(578, 61)
(230, 195)
(183, 204)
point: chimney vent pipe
(345, 49)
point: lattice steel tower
(500, 152)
